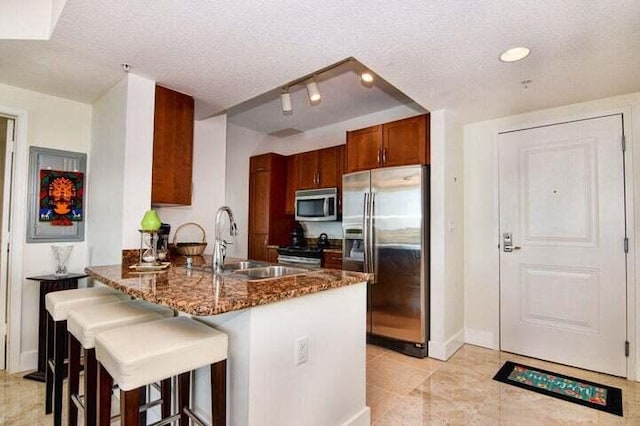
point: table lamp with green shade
(151, 221)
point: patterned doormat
(583, 392)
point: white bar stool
(140, 354)
(83, 325)
(58, 305)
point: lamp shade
(151, 221)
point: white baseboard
(444, 350)
(363, 418)
(481, 338)
(28, 361)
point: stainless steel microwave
(317, 205)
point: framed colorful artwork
(56, 195)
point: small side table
(48, 283)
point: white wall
(119, 189)
(138, 156)
(481, 271)
(52, 123)
(29, 19)
(209, 183)
(447, 247)
(243, 143)
(105, 186)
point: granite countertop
(199, 292)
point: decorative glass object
(148, 247)
(61, 255)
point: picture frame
(48, 168)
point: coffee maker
(297, 236)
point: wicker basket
(190, 249)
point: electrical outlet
(301, 350)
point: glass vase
(61, 255)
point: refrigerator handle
(370, 234)
(365, 232)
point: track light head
(313, 92)
(285, 100)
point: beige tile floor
(408, 391)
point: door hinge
(626, 245)
(624, 143)
(626, 348)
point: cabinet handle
(318, 179)
(379, 156)
(384, 155)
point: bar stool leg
(142, 419)
(219, 393)
(129, 407)
(165, 394)
(105, 384)
(90, 386)
(58, 371)
(48, 372)
(184, 386)
(74, 378)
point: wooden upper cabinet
(398, 143)
(172, 148)
(363, 149)
(320, 168)
(405, 142)
(307, 170)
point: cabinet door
(172, 148)
(405, 142)
(272, 254)
(332, 260)
(292, 183)
(258, 247)
(308, 170)
(328, 165)
(363, 149)
(259, 193)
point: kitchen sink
(245, 264)
(266, 272)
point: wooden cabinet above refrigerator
(398, 143)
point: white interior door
(563, 287)
(5, 238)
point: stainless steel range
(303, 256)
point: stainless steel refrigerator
(385, 219)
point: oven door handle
(298, 261)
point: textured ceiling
(441, 53)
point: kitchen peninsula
(266, 320)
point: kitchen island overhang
(264, 320)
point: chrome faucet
(220, 245)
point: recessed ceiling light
(366, 76)
(514, 54)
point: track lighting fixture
(313, 92)
(285, 100)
